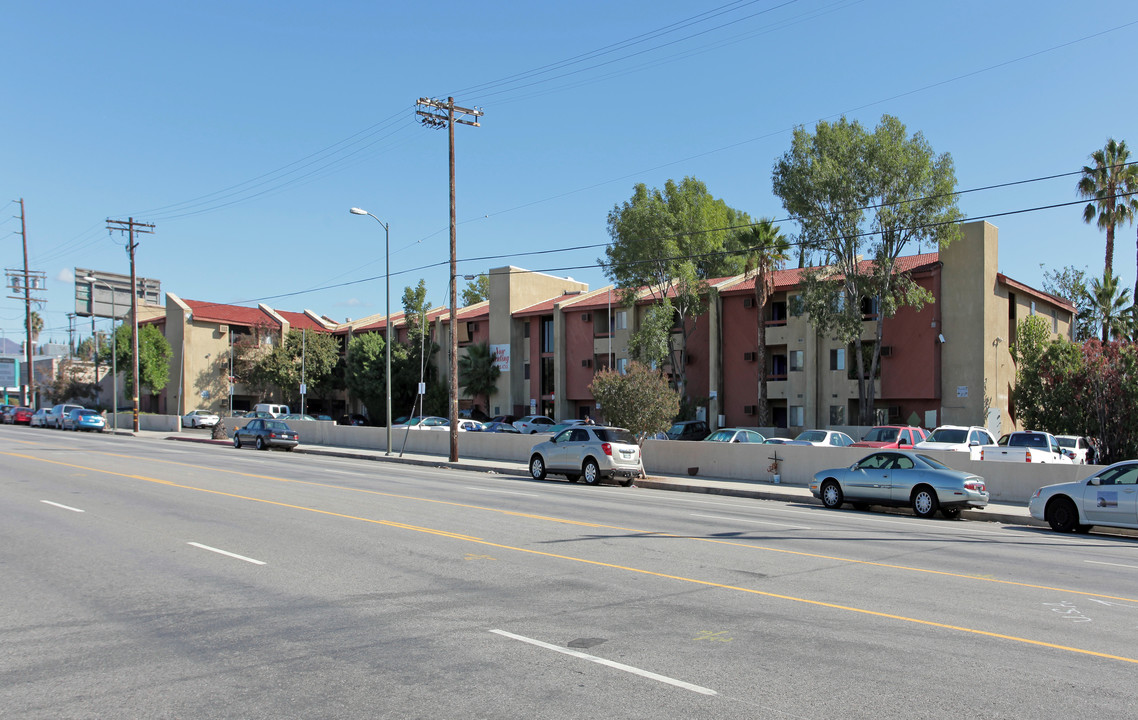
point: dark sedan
(901, 479)
(265, 434)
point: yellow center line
(597, 563)
(655, 533)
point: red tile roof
(791, 278)
(545, 307)
(233, 314)
(301, 321)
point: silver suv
(55, 416)
(588, 451)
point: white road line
(65, 507)
(609, 663)
(1095, 562)
(504, 492)
(746, 520)
(229, 554)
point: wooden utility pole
(131, 227)
(431, 117)
(27, 280)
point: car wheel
(260, 443)
(950, 513)
(832, 496)
(591, 472)
(537, 467)
(572, 477)
(236, 441)
(1062, 515)
(925, 502)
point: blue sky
(245, 130)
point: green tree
(281, 367)
(1070, 283)
(477, 373)
(649, 345)
(1102, 184)
(153, 357)
(413, 363)
(1110, 308)
(366, 373)
(860, 195)
(640, 400)
(476, 290)
(668, 244)
(766, 250)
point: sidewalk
(1002, 513)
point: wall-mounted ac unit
(223, 328)
(587, 317)
(748, 302)
(750, 409)
(886, 351)
(473, 327)
(749, 357)
(587, 362)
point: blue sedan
(901, 479)
(83, 419)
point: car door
(249, 432)
(870, 479)
(563, 455)
(1115, 498)
(903, 475)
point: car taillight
(607, 447)
(1028, 456)
(974, 485)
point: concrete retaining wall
(146, 421)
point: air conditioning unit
(473, 327)
(886, 351)
(894, 412)
(587, 362)
(223, 328)
(587, 317)
(750, 409)
(749, 356)
(748, 302)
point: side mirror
(1094, 481)
(902, 441)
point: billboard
(108, 294)
(9, 373)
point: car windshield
(949, 435)
(933, 462)
(615, 435)
(87, 412)
(812, 436)
(881, 435)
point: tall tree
(154, 355)
(476, 290)
(366, 373)
(1110, 307)
(477, 373)
(37, 326)
(766, 251)
(669, 243)
(858, 195)
(314, 354)
(1102, 184)
(1070, 283)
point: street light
(387, 323)
(114, 349)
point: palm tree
(1102, 184)
(1110, 307)
(477, 373)
(37, 326)
(767, 249)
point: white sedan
(1109, 497)
(824, 438)
(200, 418)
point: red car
(892, 436)
(19, 416)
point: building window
(838, 359)
(1011, 318)
(869, 308)
(837, 415)
(525, 371)
(622, 366)
(525, 329)
(547, 387)
(1032, 307)
(547, 335)
(796, 360)
(1054, 320)
(778, 313)
(621, 322)
(778, 367)
(797, 416)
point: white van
(274, 410)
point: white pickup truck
(1026, 446)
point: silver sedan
(901, 479)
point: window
(1011, 318)
(525, 329)
(869, 307)
(838, 359)
(796, 359)
(547, 376)
(622, 366)
(1054, 320)
(621, 320)
(778, 367)
(1032, 307)
(837, 415)
(797, 416)
(547, 335)
(778, 313)
(525, 371)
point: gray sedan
(901, 479)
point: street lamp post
(387, 322)
(114, 350)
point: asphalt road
(150, 579)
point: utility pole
(131, 227)
(27, 280)
(431, 117)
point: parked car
(1108, 498)
(200, 418)
(297, 416)
(428, 422)
(1026, 446)
(825, 438)
(4, 411)
(18, 416)
(273, 408)
(591, 452)
(265, 434)
(554, 429)
(463, 426)
(901, 478)
(325, 418)
(1080, 449)
(56, 414)
(957, 438)
(499, 427)
(689, 430)
(473, 414)
(352, 419)
(510, 419)
(258, 415)
(735, 435)
(84, 419)
(531, 424)
(782, 441)
(892, 436)
(39, 418)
